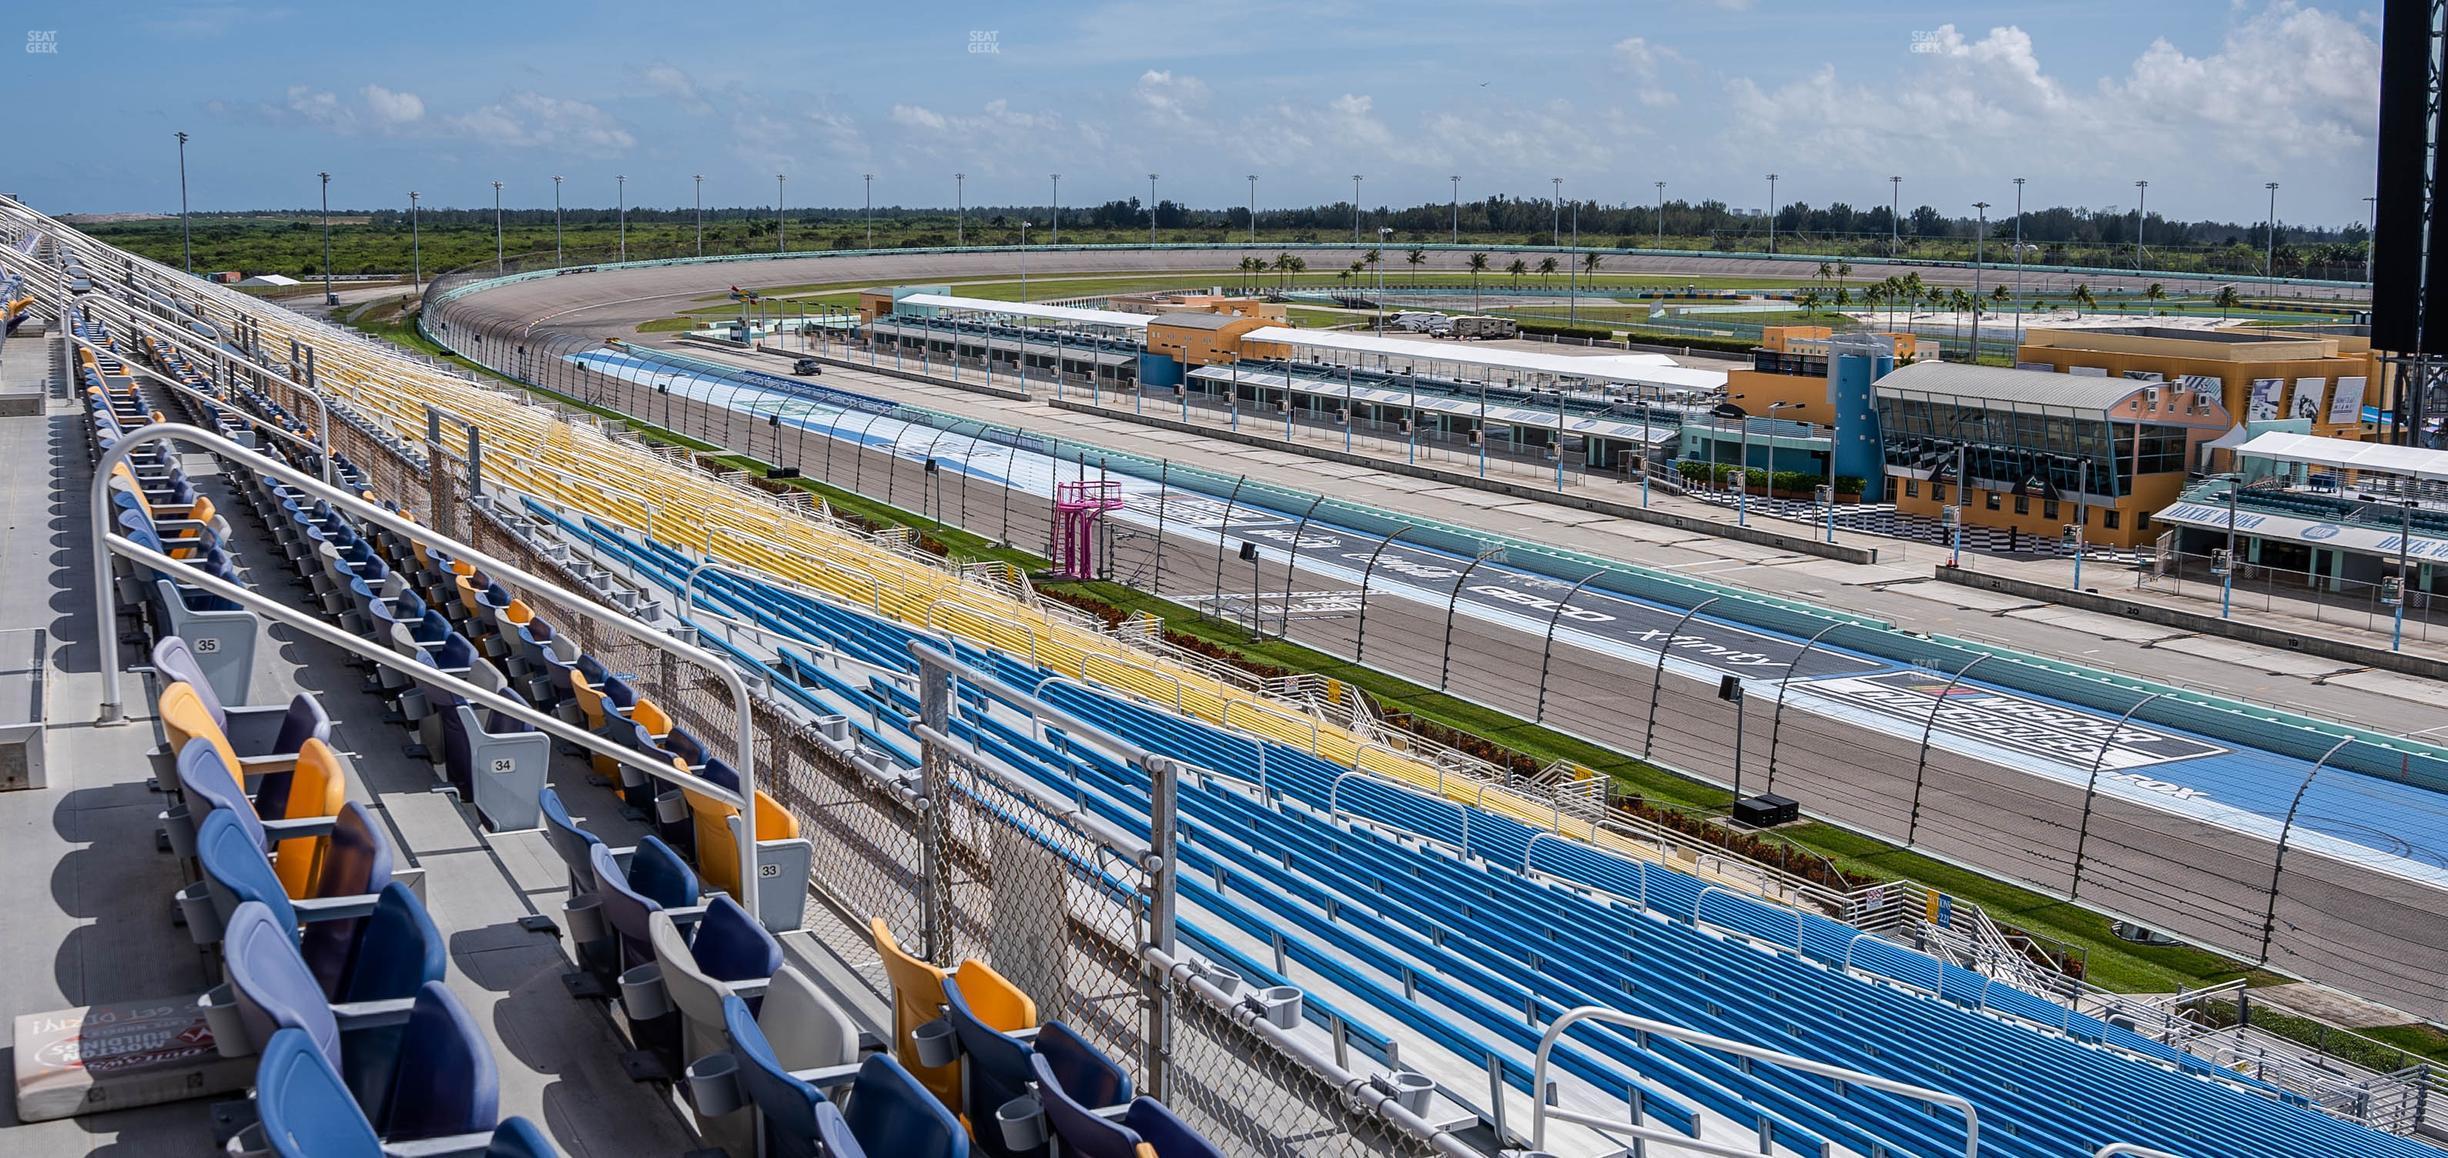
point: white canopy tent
(1520, 363)
(2412, 462)
(1069, 314)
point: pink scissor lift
(1077, 508)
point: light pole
(1253, 221)
(186, 240)
(700, 205)
(1457, 207)
(1151, 209)
(1057, 218)
(1772, 208)
(2227, 560)
(498, 266)
(1384, 234)
(2371, 221)
(1355, 209)
(1895, 215)
(2141, 197)
(869, 178)
(1661, 219)
(620, 202)
(1555, 214)
(1980, 240)
(556, 221)
(416, 250)
(1024, 228)
(2018, 257)
(327, 294)
(781, 223)
(2269, 241)
(960, 208)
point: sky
(2205, 99)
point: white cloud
(1643, 62)
(532, 120)
(2287, 84)
(320, 109)
(919, 117)
(393, 109)
(1168, 98)
(667, 80)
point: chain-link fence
(2357, 603)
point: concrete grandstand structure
(922, 798)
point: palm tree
(1283, 266)
(1844, 296)
(1826, 271)
(1844, 271)
(1520, 267)
(1546, 268)
(2227, 299)
(2156, 293)
(1345, 275)
(2083, 299)
(1478, 265)
(1809, 300)
(1589, 262)
(1417, 258)
(1355, 267)
(1873, 295)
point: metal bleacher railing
(871, 827)
(2106, 848)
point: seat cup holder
(713, 1085)
(670, 807)
(936, 1045)
(586, 920)
(202, 917)
(642, 994)
(1280, 1005)
(1228, 981)
(179, 825)
(1022, 1121)
(1409, 1088)
(230, 1037)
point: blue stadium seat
(1087, 1134)
(997, 1068)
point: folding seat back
(317, 788)
(445, 1081)
(270, 986)
(234, 870)
(728, 946)
(996, 1066)
(357, 863)
(497, 762)
(890, 1114)
(656, 879)
(786, 1108)
(574, 845)
(304, 1108)
(918, 999)
(398, 948)
(833, 1133)
(208, 784)
(714, 824)
(1147, 1129)
(805, 1028)
(186, 716)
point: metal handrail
(1644, 1026)
(108, 542)
(323, 404)
(2136, 1149)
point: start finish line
(2016, 723)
